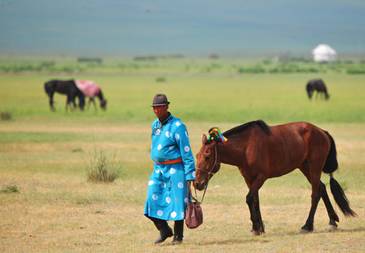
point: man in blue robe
(173, 171)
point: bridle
(210, 173)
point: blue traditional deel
(167, 193)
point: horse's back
(317, 84)
(287, 147)
(60, 86)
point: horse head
(103, 104)
(207, 163)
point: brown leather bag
(193, 214)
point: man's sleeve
(182, 140)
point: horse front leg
(252, 200)
(69, 101)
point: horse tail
(308, 88)
(340, 198)
(331, 164)
(48, 87)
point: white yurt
(324, 53)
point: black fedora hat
(160, 99)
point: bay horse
(65, 87)
(262, 152)
(317, 86)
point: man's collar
(167, 119)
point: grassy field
(45, 155)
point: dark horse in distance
(65, 87)
(318, 86)
(262, 152)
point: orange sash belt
(174, 161)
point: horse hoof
(306, 229)
(256, 232)
(332, 228)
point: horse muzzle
(199, 186)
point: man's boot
(163, 227)
(178, 232)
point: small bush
(5, 116)
(161, 79)
(251, 70)
(102, 169)
(75, 150)
(355, 71)
(10, 189)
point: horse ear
(204, 139)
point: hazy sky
(118, 27)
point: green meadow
(48, 205)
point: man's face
(160, 111)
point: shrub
(355, 71)
(252, 70)
(10, 189)
(161, 79)
(101, 168)
(5, 116)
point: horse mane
(248, 125)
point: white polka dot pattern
(166, 197)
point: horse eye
(206, 158)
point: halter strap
(209, 173)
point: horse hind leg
(330, 211)
(51, 101)
(314, 179)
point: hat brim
(160, 104)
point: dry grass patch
(102, 169)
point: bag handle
(196, 195)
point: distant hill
(189, 27)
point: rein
(210, 174)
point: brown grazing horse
(261, 152)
